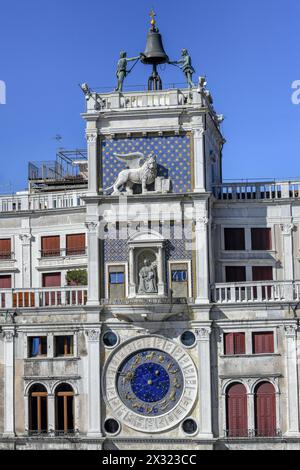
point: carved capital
(287, 229)
(26, 238)
(203, 333)
(93, 335)
(290, 331)
(92, 226)
(198, 133)
(201, 221)
(8, 335)
(91, 138)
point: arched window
(64, 409)
(38, 409)
(265, 410)
(236, 411)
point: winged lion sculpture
(137, 173)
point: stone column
(132, 286)
(202, 268)
(51, 413)
(160, 271)
(93, 162)
(288, 266)
(199, 160)
(9, 417)
(94, 378)
(93, 264)
(205, 395)
(292, 380)
(26, 239)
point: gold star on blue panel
(173, 158)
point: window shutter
(239, 346)
(76, 244)
(51, 245)
(5, 248)
(5, 282)
(263, 343)
(261, 239)
(262, 273)
(52, 280)
(229, 343)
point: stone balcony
(255, 292)
(254, 191)
(39, 202)
(43, 297)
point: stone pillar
(199, 160)
(9, 417)
(292, 380)
(94, 378)
(205, 395)
(93, 162)
(93, 264)
(132, 286)
(26, 239)
(288, 266)
(202, 268)
(160, 272)
(51, 413)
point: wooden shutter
(262, 273)
(261, 239)
(263, 342)
(51, 279)
(50, 246)
(236, 411)
(265, 410)
(76, 244)
(239, 343)
(228, 343)
(5, 282)
(5, 248)
(235, 273)
(234, 238)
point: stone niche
(147, 276)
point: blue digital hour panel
(173, 158)
(150, 382)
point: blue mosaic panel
(173, 158)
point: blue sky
(248, 49)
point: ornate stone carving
(148, 278)
(91, 138)
(290, 330)
(8, 335)
(135, 174)
(26, 238)
(92, 226)
(287, 229)
(203, 333)
(93, 334)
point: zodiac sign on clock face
(150, 382)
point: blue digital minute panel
(150, 382)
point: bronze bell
(154, 53)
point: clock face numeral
(150, 382)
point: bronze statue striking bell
(154, 53)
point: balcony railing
(54, 253)
(6, 255)
(257, 191)
(36, 202)
(264, 291)
(43, 297)
(252, 433)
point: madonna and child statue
(148, 278)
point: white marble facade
(175, 313)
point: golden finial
(153, 15)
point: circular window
(111, 426)
(188, 339)
(110, 339)
(189, 426)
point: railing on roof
(245, 191)
(34, 202)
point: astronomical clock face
(150, 384)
